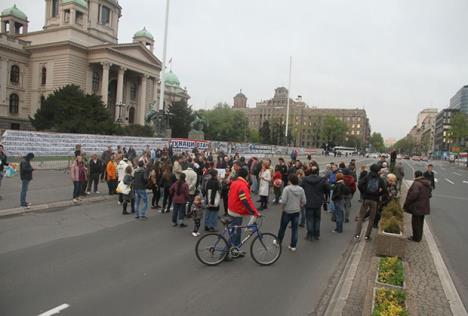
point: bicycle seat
(225, 220)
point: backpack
(373, 185)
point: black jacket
(140, 179)
(430, 176)
(362, 185)
(315, 188)
(213, 185)
(26, 169)
(3, 161)
(340, 191)
(96, 167)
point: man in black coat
(429, 175)
(26, 171)
(96, 167)
(417, 204)
(316, 189)
(3, 163)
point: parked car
(406, 157)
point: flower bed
(391, 271)
(389, 302)
(390, 240)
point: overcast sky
(391, 57)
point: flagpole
(287, 106)
(163, 70)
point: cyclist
(240, 204)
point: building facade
(305, 123)
(460, 100)
(240, 101)
(78, 45)
(442, 139)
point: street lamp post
(163, 70)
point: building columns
(3, 80)
(105, 82)
(142, 101)
(119, 99)
(155, 93)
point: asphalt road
(102, 263)
(449, 218)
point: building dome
(82, 3)
(240, 95)
(14, 11)
(171, 79)
(144, 33)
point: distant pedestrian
(212, 201)
(105, 158)
(122, 164)
(191, 178)
(340, 191)
(429, 175)
(128, 194)
(197, 215)
(26, 172)
(417, 204)
(265, 180)
(180, 194)
(111, 175)
(316, 190)
(372, 187)
(167, 180)
(3, 164)
(140, 180)
(301, 175)
(400, 175)
(95, 169)
(293, 199)
(277, 184)
(78, 174)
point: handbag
(123, 188)
(217, 199)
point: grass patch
(389, 303)
(391, 271)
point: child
(277, 184)
(197, 209)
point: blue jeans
(339, 213)
(211, 219)
(235, 233)
(285, 219)
(302, 220)
(254, 181)
(24, 191)
(76, 189)
(178, 213)
(141, 195)
(331, 204)
(313, 222)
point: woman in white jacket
(265, 180)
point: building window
(131, 115)
(133, 91)
(44, 76)
(55, 8)
(96, 80)
(105, 15)
(14, 103)
(14, 74)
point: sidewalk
(48, 189)
(423, 276)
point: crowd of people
(199, 186)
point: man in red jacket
(240, 203)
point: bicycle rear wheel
(211, 249)
(265, 249)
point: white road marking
(449, 181)
(436, 180)
(55, 310)
(465, 182)
(458, 174)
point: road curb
(52, 205)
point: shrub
(393, 209)
(391, 271)
(391, 225)
(390, 303)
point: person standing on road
(240, 204)
(277, 184)
(197, 215)
(129, 195)
(265, 180)
(212, 201)
(111, 175)
(340, 191)
(139, 185)
(3, 164)
(400, 175)
(192, 180)
(293, 200)
(302, 219)
(177, 167)
(180, 194)
(417, 204)
(26, 171)
(167, 180)
(372, 186)
(316, 190)
(351, 184)
(429, 175)
(95, 169)
(121, 167)
(105, 158)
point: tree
(181, 118)
(354, 141)
(70, 110)
(253, 136)
(278, 129)
(265, 132)
(333, 131)
(405, 145)
(225, 124)
(377, 142)
(459, 129)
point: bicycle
(213, 248)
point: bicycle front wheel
(265, 249)
(211, 249)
